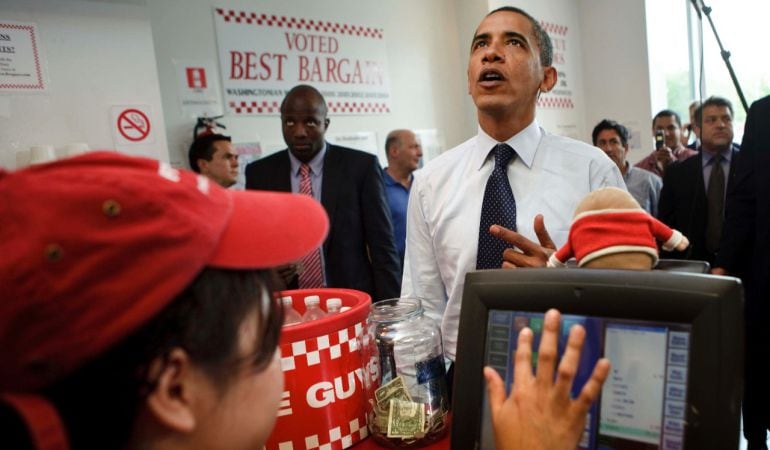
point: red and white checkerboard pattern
(555, 103)
(554, 28)
(263, 107)
(309, 351)
(336, 441)
(230, 15)
(358, 107)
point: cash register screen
(674, 340)
(642, 404)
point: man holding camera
(667, 129)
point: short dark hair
(542, 38)
(205, 321)
(667, 113)
(390, 141)
(712, 101)
(203, 148)
(308, 88)
(608, 124)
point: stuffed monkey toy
(611, 231)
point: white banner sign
(262, 56)
(21, 64)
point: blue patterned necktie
(499, 207)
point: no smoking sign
(132, 125)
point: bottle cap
(287, 301)
(334, 303)
(312, 300)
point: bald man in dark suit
(359, 252)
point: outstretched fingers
(547, 354)
(542, 233)
(522, 371)
(592, 388)
(495, 389)
(569, 363)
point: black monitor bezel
(713, 305)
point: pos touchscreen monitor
(675, 342)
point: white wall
(113, 52)
(97, 55)
(617, 72)
(426, 74)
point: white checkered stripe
(253, 18)
(554, 28)
(356, 430)
(309, 351)
(358, 107)
(255, 107)
(551, 102)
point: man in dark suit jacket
(745, 252)
(359, 252)
(683, 200)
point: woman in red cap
(136, 307)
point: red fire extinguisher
(207, 125)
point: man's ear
(549, 79)
(178, 388)
(203, 165)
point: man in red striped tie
(359, 252)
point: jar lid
(396, 309)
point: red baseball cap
(94, 246)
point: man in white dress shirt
(510, 65)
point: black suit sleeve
(666, 206)
(740, 211)
(670, 205)
(251, 176)
(378, 234)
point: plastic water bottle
(290, 315)
(313, 310)
(333, 306)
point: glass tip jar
(407, 391)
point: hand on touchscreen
(539, 413)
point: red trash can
(324, 401)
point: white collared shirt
(549, 176)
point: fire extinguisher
(207, 125)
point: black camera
(660, 140)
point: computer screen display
(674, 341)
(643, 401)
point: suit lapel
(282, 173)
(733, 165)
(330, 185)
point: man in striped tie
(359, 252)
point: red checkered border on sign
(358, 107)
(337, 440)
(308, 352)
(263, 107)
(554, 28)
(230, 15)
(555, 103)
(35, 51)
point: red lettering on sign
(250, 66)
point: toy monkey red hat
(594, 234)
(94, 246)
(610, 229)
